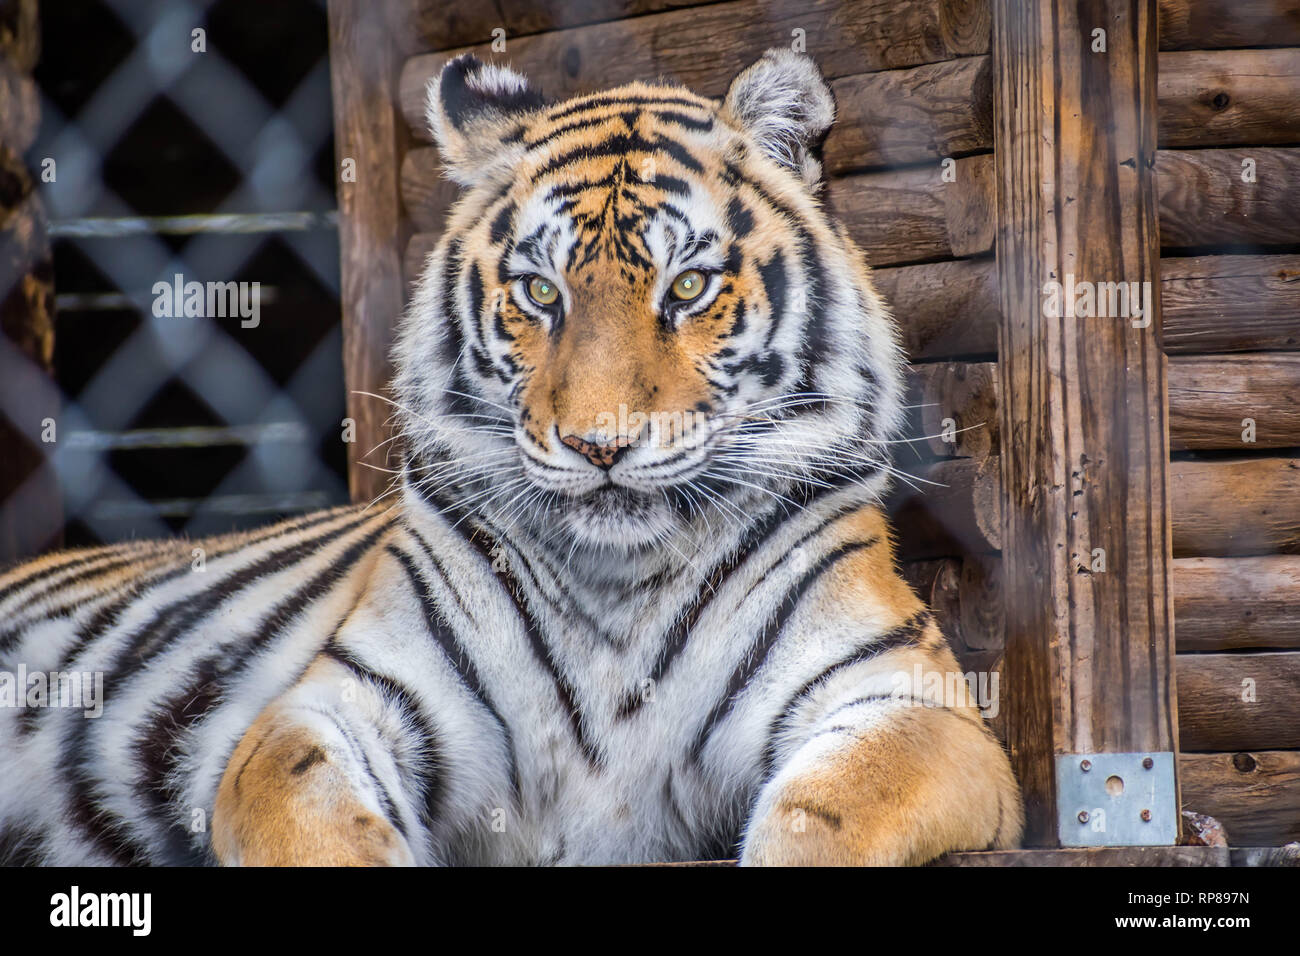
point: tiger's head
(640, 316)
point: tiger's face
(639, 317)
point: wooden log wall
(1230, 275)
(913, 82)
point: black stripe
(752, 544)
(106, 618)
(441, 631)
(145, 565)
(159, 747)
(429, 774)
(514, 590)
(758, 651)
(906, 634)
(36, 576)
(600, 100)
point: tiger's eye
(543, 291)
(688, 285)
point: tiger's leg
(885, 774)
(310, 783)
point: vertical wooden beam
(372, 234)
(1084, 425)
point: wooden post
(368, 132)
(1083, 416)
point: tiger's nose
(602, 456)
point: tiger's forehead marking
(610, 165)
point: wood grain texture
(966, 595)
(1217, 24)
(1211, 400)
(1254, 794)
(900, 117)
(1205, 202)
(444, 24)
(1230, 303)
(911, 215)
(705, 47)
(1243, 506)
(954, 409)
(371, 230)
(1089, 655)
(1223, 604)
(944, 309)
(1239, 701)
(1229, 98)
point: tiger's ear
(474, 110)
(783, 101)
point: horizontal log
(944, 309)
(966, 595)
(1229, 98)
(954, 409)
(1242, 402)
(705, 47)
(1230, 303)
(1239, 701)
(1223, 604)
(427, 194)
(1243, 506)
(911, 215)
(900, 117)
(1255, 795)
(1205, 202)
(1220, 24)
(444, 24)
(949, 509)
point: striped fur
(691, 642)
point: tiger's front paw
(793, 827)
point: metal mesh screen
(185, 162)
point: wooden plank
(911, 215)
(899, 117)
(944, 309)
(1239, 701)
(951, 509)
(954, 409)
(1243, 506)
(1254, 794)
(1242, 402)
(420, 25)
(1089, 655)
(1230, 303)
(1107, 856)
(1288, 855)
(1219, 24)
(362, 74)
(1205, 202)
(705, 47)
(1223, 604)
(444, 24)
(1229, 98)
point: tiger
(632, 596)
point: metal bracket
(1116, 799)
